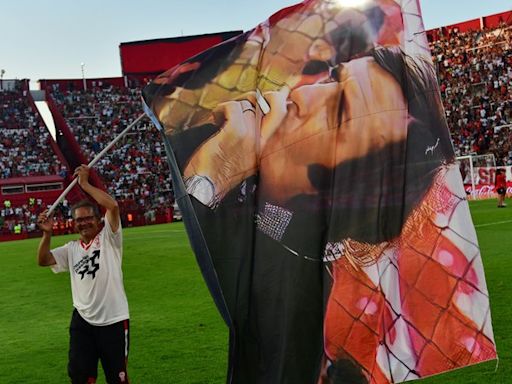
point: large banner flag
(314, 166)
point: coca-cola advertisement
(482, 185)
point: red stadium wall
(22, 198)
(152, 57)
(492, 21)
(76, 84)
(48, 196)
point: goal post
(466, 170)
(478, 172)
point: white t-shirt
(96, 276)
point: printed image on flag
(313, 164)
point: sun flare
(350, 3)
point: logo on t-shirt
(89, 265)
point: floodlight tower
(2, 71)
(83, 76)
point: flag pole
(94, 161)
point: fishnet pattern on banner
(271, 58)
(407, 315)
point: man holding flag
(100, 321)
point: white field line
(494, 223)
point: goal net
(478, 174)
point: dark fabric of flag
(314, 168)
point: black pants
(89, 343)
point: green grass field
(176, 334)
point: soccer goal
(477, 173)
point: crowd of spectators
(475, 74)
(21, 218)
(24, 139)
(135, 170)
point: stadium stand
(135, 170)
(475, 74)
(33, 171)
(24, 139)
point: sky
(48, 39)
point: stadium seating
(475, 74)
(24, 139)
(135, 170)
(26, 153)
